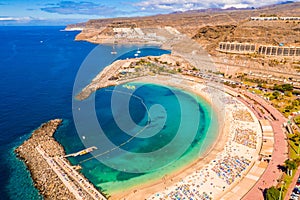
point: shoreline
(153, 186)
(225, 145)
(44, 180)
(220, 151)
(52, 174)
(150, 188)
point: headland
(244, 158)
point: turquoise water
(184, 124)
(39, 67)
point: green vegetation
(294, 149)
(230, 85)
(290, 166)
(297, 120)
(272, 95)
(286, 103)
(272, 193)
(194, 68)
(288, 94)
(293, 162)
(296, 92)
(145, 67)
(219, 73)
(283, 87)
(268, 15)
(284, 98)
(254, 80)
(287, 182)
(291, 106)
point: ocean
(39, 66)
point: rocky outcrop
(45, 180)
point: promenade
(74, 182)
(272, 174)
(67, 182)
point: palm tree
(290, 165)
(272, 193)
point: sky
(63, 12)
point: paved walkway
(280, 153)
(69, 177)
(81, 181)
(66, 181)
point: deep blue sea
(38, 68)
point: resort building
(290, 18)
(274, 18)
(264, 18)
(278, 51)
(243, 48)
(268, 50)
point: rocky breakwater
(45, 180)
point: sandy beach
(234, 152)
(157, 188)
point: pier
(82, 152)
(53, 175)
(72, 180)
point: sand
(145, 190)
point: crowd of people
(230, 165)
(229, 168)
(185, 191)
(228, 100)
(242, 115)
(245, 137)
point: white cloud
(15, 18)
(184, 5)
(240, 5)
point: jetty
(82, 152)
(52, 173)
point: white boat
(114, 51)
(136, 54)
(138, 51)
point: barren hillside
(202, 24)
(208, 28)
